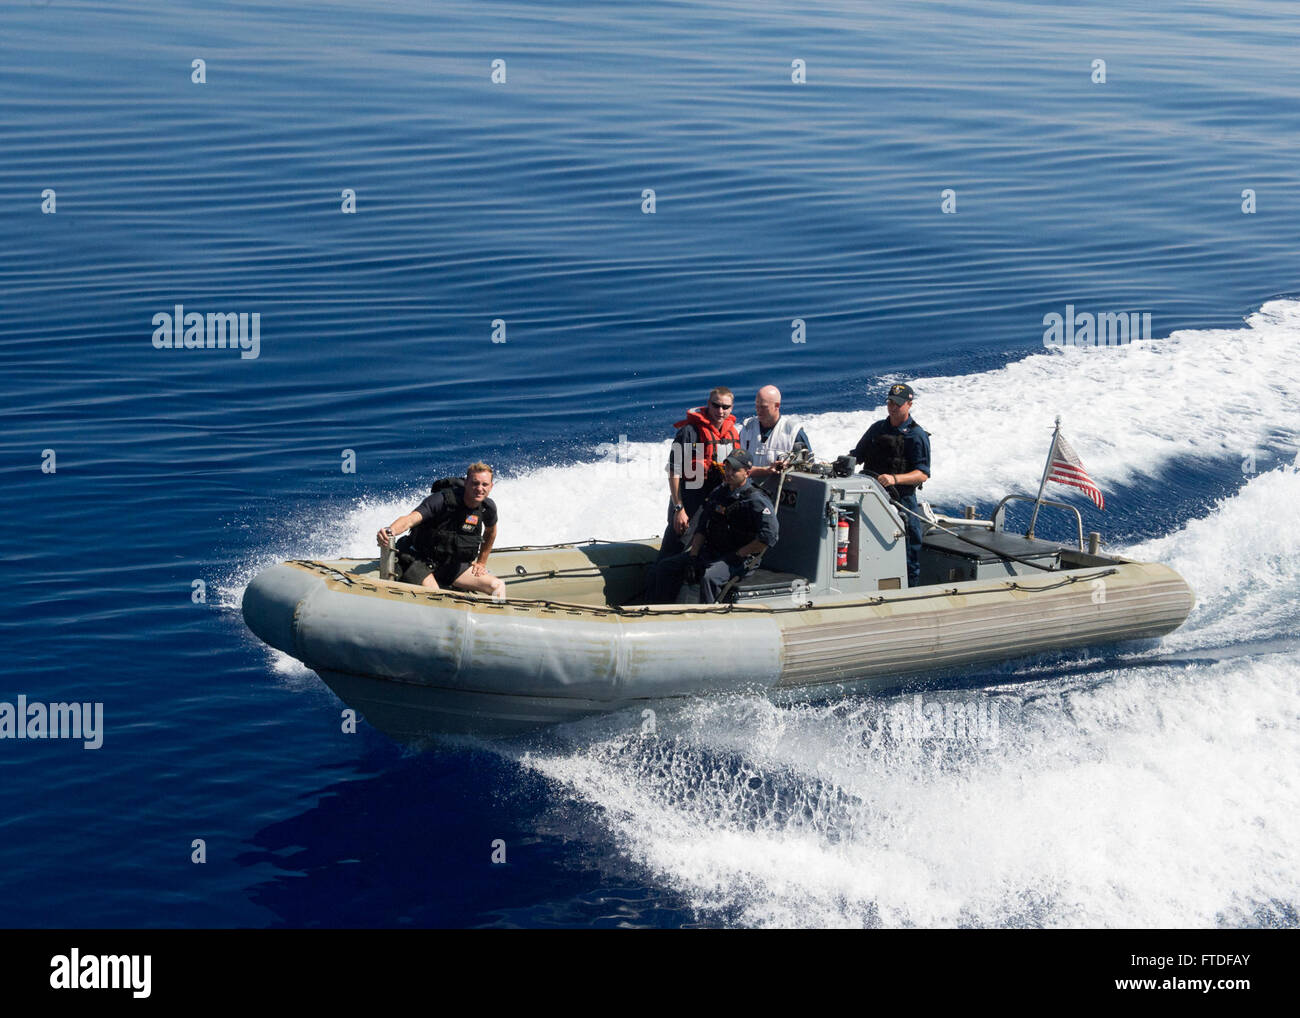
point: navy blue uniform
(729, 520)
(885, 449)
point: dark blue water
(522, 201)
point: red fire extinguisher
(842, 542)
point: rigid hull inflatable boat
(829, 608)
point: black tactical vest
(887, 454)
(733, 528)
(446, 537)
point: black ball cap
(900, 393)
(738, 460)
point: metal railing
(1000, 510)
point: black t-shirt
(446, 512)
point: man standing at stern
(897, 451)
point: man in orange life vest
(703, 440)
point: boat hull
(417, 663)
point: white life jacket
(779, 444)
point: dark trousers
(671, 544)
(664, 584)
(913, 527)
(670, 547)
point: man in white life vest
(768, 437)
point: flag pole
(1047, 467)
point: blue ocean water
(1125, 788)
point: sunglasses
(719, 406)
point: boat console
(842, 535)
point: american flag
(1066, 469)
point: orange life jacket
(704, 450)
